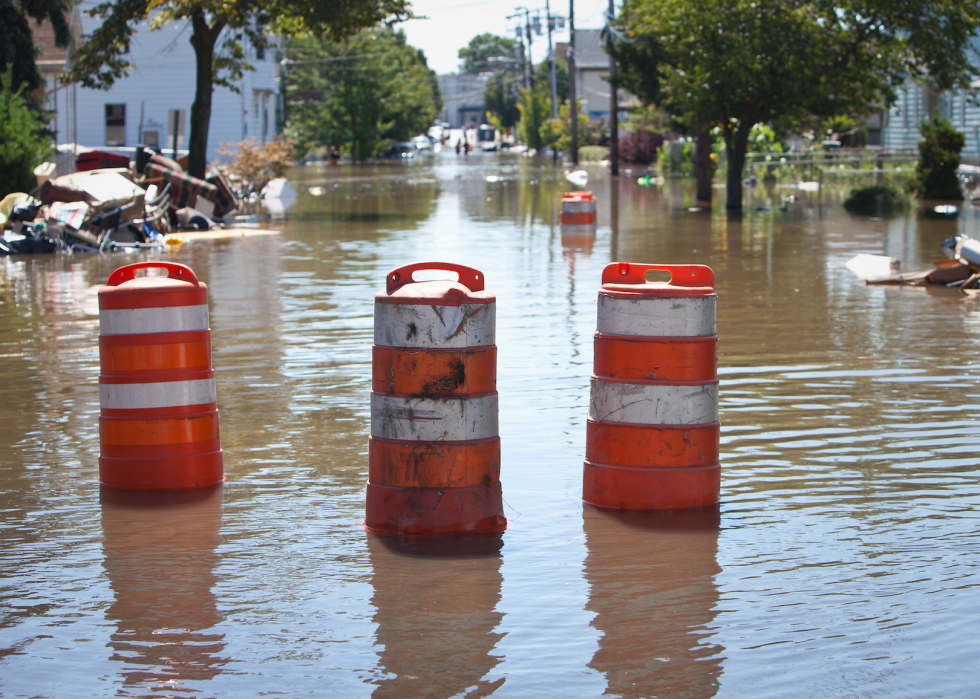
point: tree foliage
(23, 143)
(535, 128)
(17, 37)
(477, 56)
(500, 97)
(360, 94)
(741, 63)
(939, 159)
(220, 30)
(503, 91)
(254, 164)
(542, 76)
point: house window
(151, 139)
(260, 53)
(115, 124)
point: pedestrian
(459, 146)
(466, 147)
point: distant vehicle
(486, 132)
(400, 150)
(421, 143)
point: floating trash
(316, 191)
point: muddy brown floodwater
(842, 561)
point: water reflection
(436, 606)
(160, 556)
(651, 576)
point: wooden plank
(189, 237)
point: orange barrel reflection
(435, 602)
(651, 578)
(578, 237)
(160, 556)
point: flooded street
(842, 562)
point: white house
(135, 110)
(916, 102)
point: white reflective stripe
(578, 228)
(578, 207)
(162, 394)
(169, 319)
(410, 325)
(645, 404)
(657, 316)
(448, 419)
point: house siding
(916, 103)
(163, 78)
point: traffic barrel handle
(471, 278)
(680, 275)
(174, 271)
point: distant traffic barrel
(434, 451)
(653, 431)
(158, 427)
(578, 208)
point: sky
(452, 23)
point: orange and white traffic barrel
(434, 451)
(653, 431)
(578, 208)
(158, 426)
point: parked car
(400, 150)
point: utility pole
(613, 98)
(530, 60)
(551, 57)
(528, 65)
(572, 98)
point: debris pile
(111, 204)
(961, 271)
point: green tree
(503, 90)
(939, 159)
(534, 127)
(219, 29)
(638, 62)
(359, 94)
(23, 142)
(500, 97)
(542, 76)
(479, 56)
(562, 127)
(17, 37)
(742, 63)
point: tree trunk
(736, 146)
(703, 164)
(203, 40)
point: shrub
(254, 163)
(939, 159)
(640, 147)
(874, 201)
(592, 154)
(23, 144)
